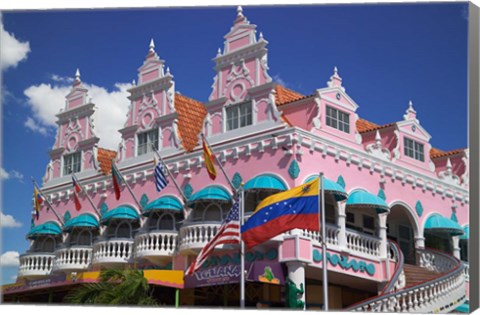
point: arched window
(124, 230)
(84, 238)
(44, 244)
(161, 221)
(153, 221)
(166, 222)
(213, 212)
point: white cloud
(12, 51)
(8, 221)
(4, 174)
(279, 80)
(10, 259)
(47, 100)
(33, 126)
(57, 78)
(13, 174)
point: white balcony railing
(440, 295)
(467, 270)
(156, 245)
(113, 251)
(357, 243)
(195, 236)
(363, 243)
(33, 265)
(75, 258)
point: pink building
(398, 239)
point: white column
(382, 223)
(341, 222)
(456, 246)
(296, 273)
(419, 242)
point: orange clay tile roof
(284, 95)
(105, 158)
(191, 114)
(367, 126)
(436, 153)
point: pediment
(414, 129)
(338, 96)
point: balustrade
(36, 264)
(158, 244)
(75, 258)
(197, 235)
(442, 294)
(363, 243)
(113, 251)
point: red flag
(76, 185)
(78, 205)
(76, 189)
(116, 179)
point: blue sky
(386, 55)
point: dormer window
(239, 116)
(413, 149)
(338, 119)
(72, 163)
(145, 141)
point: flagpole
(324, 244)
(242, 249)
(128, 187)
(235, 190)
(88, 197)
(46, 200)
(170, 174)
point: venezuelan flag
(296, 208)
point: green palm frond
(115, 287)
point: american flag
(228, 233)
(160, 179)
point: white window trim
(339, 111)
(62, 162)
(158, 144)
(413, 149)
(225, 118)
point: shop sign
(225, 269)
(345, 262)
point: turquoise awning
(365, 199)
(265, 182)
(211, 193)
(47, 228)
(163, 203)
(438, 223)
(122, 212)
(464, 308)
(85, 220)
(466, 233)
(330, 187)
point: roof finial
(261, 35)
(410, 114)
(335, 80)
(239, 11)
(449, 165)
(378, 139)
(168, 70)
(77, 75)
(152, 45)
(219, 52)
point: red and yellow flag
(209, 160)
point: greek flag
(160, 179)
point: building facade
(398, 242)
